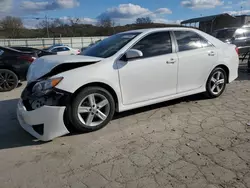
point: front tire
(91, 109)
(216, 83)
(8, 80)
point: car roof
(229, 28)
(9, 48)
(212, 39)
(55, 45)
(160, 29)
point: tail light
(30, 59)
(237, 50)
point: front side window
(188, 40)
(155, 44)
(55, 50)
(110, 46)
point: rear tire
(8, 80)
(216, 83)
(91, 109)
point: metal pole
(248, 63)
(47, 25)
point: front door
(196, 58)
(152, 76)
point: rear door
(196, 58)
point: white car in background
(63, 50)
(123, 72)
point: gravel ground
(186, 143)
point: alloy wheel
(217, 82)
(93, 109)
(7, 80)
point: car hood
(46, 64)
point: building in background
(209, 24)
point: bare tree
(74, 21)
(12, 26)
(106, 22)
(45, 25)
(74, 24)
(143, 20)
(42, 24)
(107, 25)
(57, 23)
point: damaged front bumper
(43, 116)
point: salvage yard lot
(190, 142)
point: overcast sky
(121, 11)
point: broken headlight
(45, 86)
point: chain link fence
(74, 42)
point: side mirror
(132, 54)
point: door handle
(211, 53)
(171, 61)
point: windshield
(110, 45)
(224, 34)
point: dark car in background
(14, 65)
(39, 52)
(237, 36)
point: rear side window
(155, 44)
(65, 49)
(188, 40)
(60, 49)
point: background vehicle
(123, 72)
(93, 43)
(14, 65)
(39, 52)
(62, 50)
(237, 36)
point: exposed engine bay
(45, 100)
(54, 97)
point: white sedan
(63, 50)
(125, 71)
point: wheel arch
(225, 68)
(104, 86)
(10, 69)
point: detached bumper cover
(50, 118)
